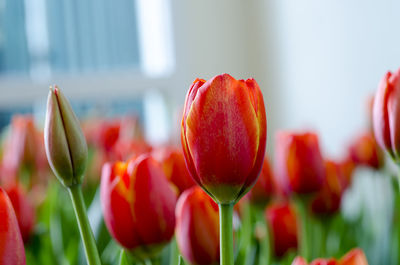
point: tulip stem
(303, 230)
(92, 254)
(226, 233)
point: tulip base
(226, 233)
(92, 254)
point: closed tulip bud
(12, 250)
(282, 221)
(138, 205)
(24, 210)
(298, 162)
(354, 257)
(173, 165)
(386, 114)
(264, 188)
(197, 225)
(224, 135)
(364, 151)
(327, 200)
(65, 143)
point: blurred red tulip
(138, 205)
(347, 167)
(108, 134)
(354, 257)
(299, 261)
(24, 210)
(224, 135)
(299, 164)
(12, 250)
(327, 200)
(365, 151)
(20, 147)
(173, 164)
(197, 227)
(282, 221)
(386, 114)
(264, 188)
(324, 262)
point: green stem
(265, 257)
(92, 254)
(174, 253)
(226, 234)
(302, 209)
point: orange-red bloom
(365, 151)
(283, 224)
(299, 164)
(386, 113)
(353, 257)
(197, 227)
(138, 205)
(264, 188)
(327, 200)
(12, 250)
(173, 165)
(24, 210)
(224, 135)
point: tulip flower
(67, 152)
(138, 205)
(173, 165)
(65, 143)
(264, 188)
(327, 200)
(282, 221)
(299, 164)
(386, 114)
(197, 231)
(24, 210)
(12, 250)
(365, 151)
(223, 136)
(354, 257)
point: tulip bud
(24, 210)
(354, 257)
(264, 188)
(299, 164)
(12, 250)
(364, 151)
(224, 135)
(138, 205)
(197, 227)
(282, 221)
(386, 114)
(173, 165)
(65, 143)
(328, 199)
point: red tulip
(197, 227)
(12, 250)
(138, 205)
(347, 167)
(327, 200)
(263, 190)
(354, 257)
(224, 135)
(386, 113)
(173, 165)
(282, 221)
(24, 210)
(365, 151)
(299, 164)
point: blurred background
(317, 63)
